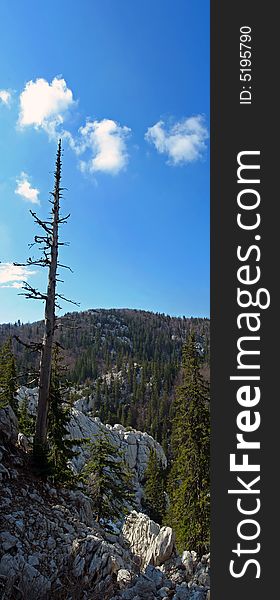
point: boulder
(23, 442)
(123, 578)
(163, 546)
(8, 425)
(152, 543)
(7, 541)
(155, 575)
(182, 592)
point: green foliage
(154, 496)
(26, 421)
(107, 480)
(60, 448)
(189, 479)
(8, 376)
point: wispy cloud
(182, 142)
(105, 141)
(43, 105)
(12, 276)
(5, 97)
(25, 190)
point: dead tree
(49, 245)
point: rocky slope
(135, 445)
(51, 546)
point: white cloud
(5, 97)
(183, 142)
(43, 105)
(25, 190)
(12, 276)
(106, 142)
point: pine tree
(154, 496)
(60, 447)
(189, 480)
(26, 421)
(107, 480)
(8, 376)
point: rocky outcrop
(52, 548)
(164, 574)
(154, 544)
(135, 445)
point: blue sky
(126, 85)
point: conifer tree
(189, 480)
(154, 497)
(60, 447)
(26, 421)
(8, 376)
(107, 480)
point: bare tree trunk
(47, 344)
(48, 243)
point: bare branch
(20, 264)
(29, 374)
(64, 267)
(40, 239)
(33, 346)
(63, 219)
(33, 380)
(40, 262)
(31, 292)
(43, 224)
(67, 299)
(59, 345)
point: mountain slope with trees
(125, 363)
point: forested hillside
(125, 362)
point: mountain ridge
(124, 362)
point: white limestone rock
(135, 445)
(23, 442)
(154, 544)
(163, 546)
(29, 394)
(123, 578)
